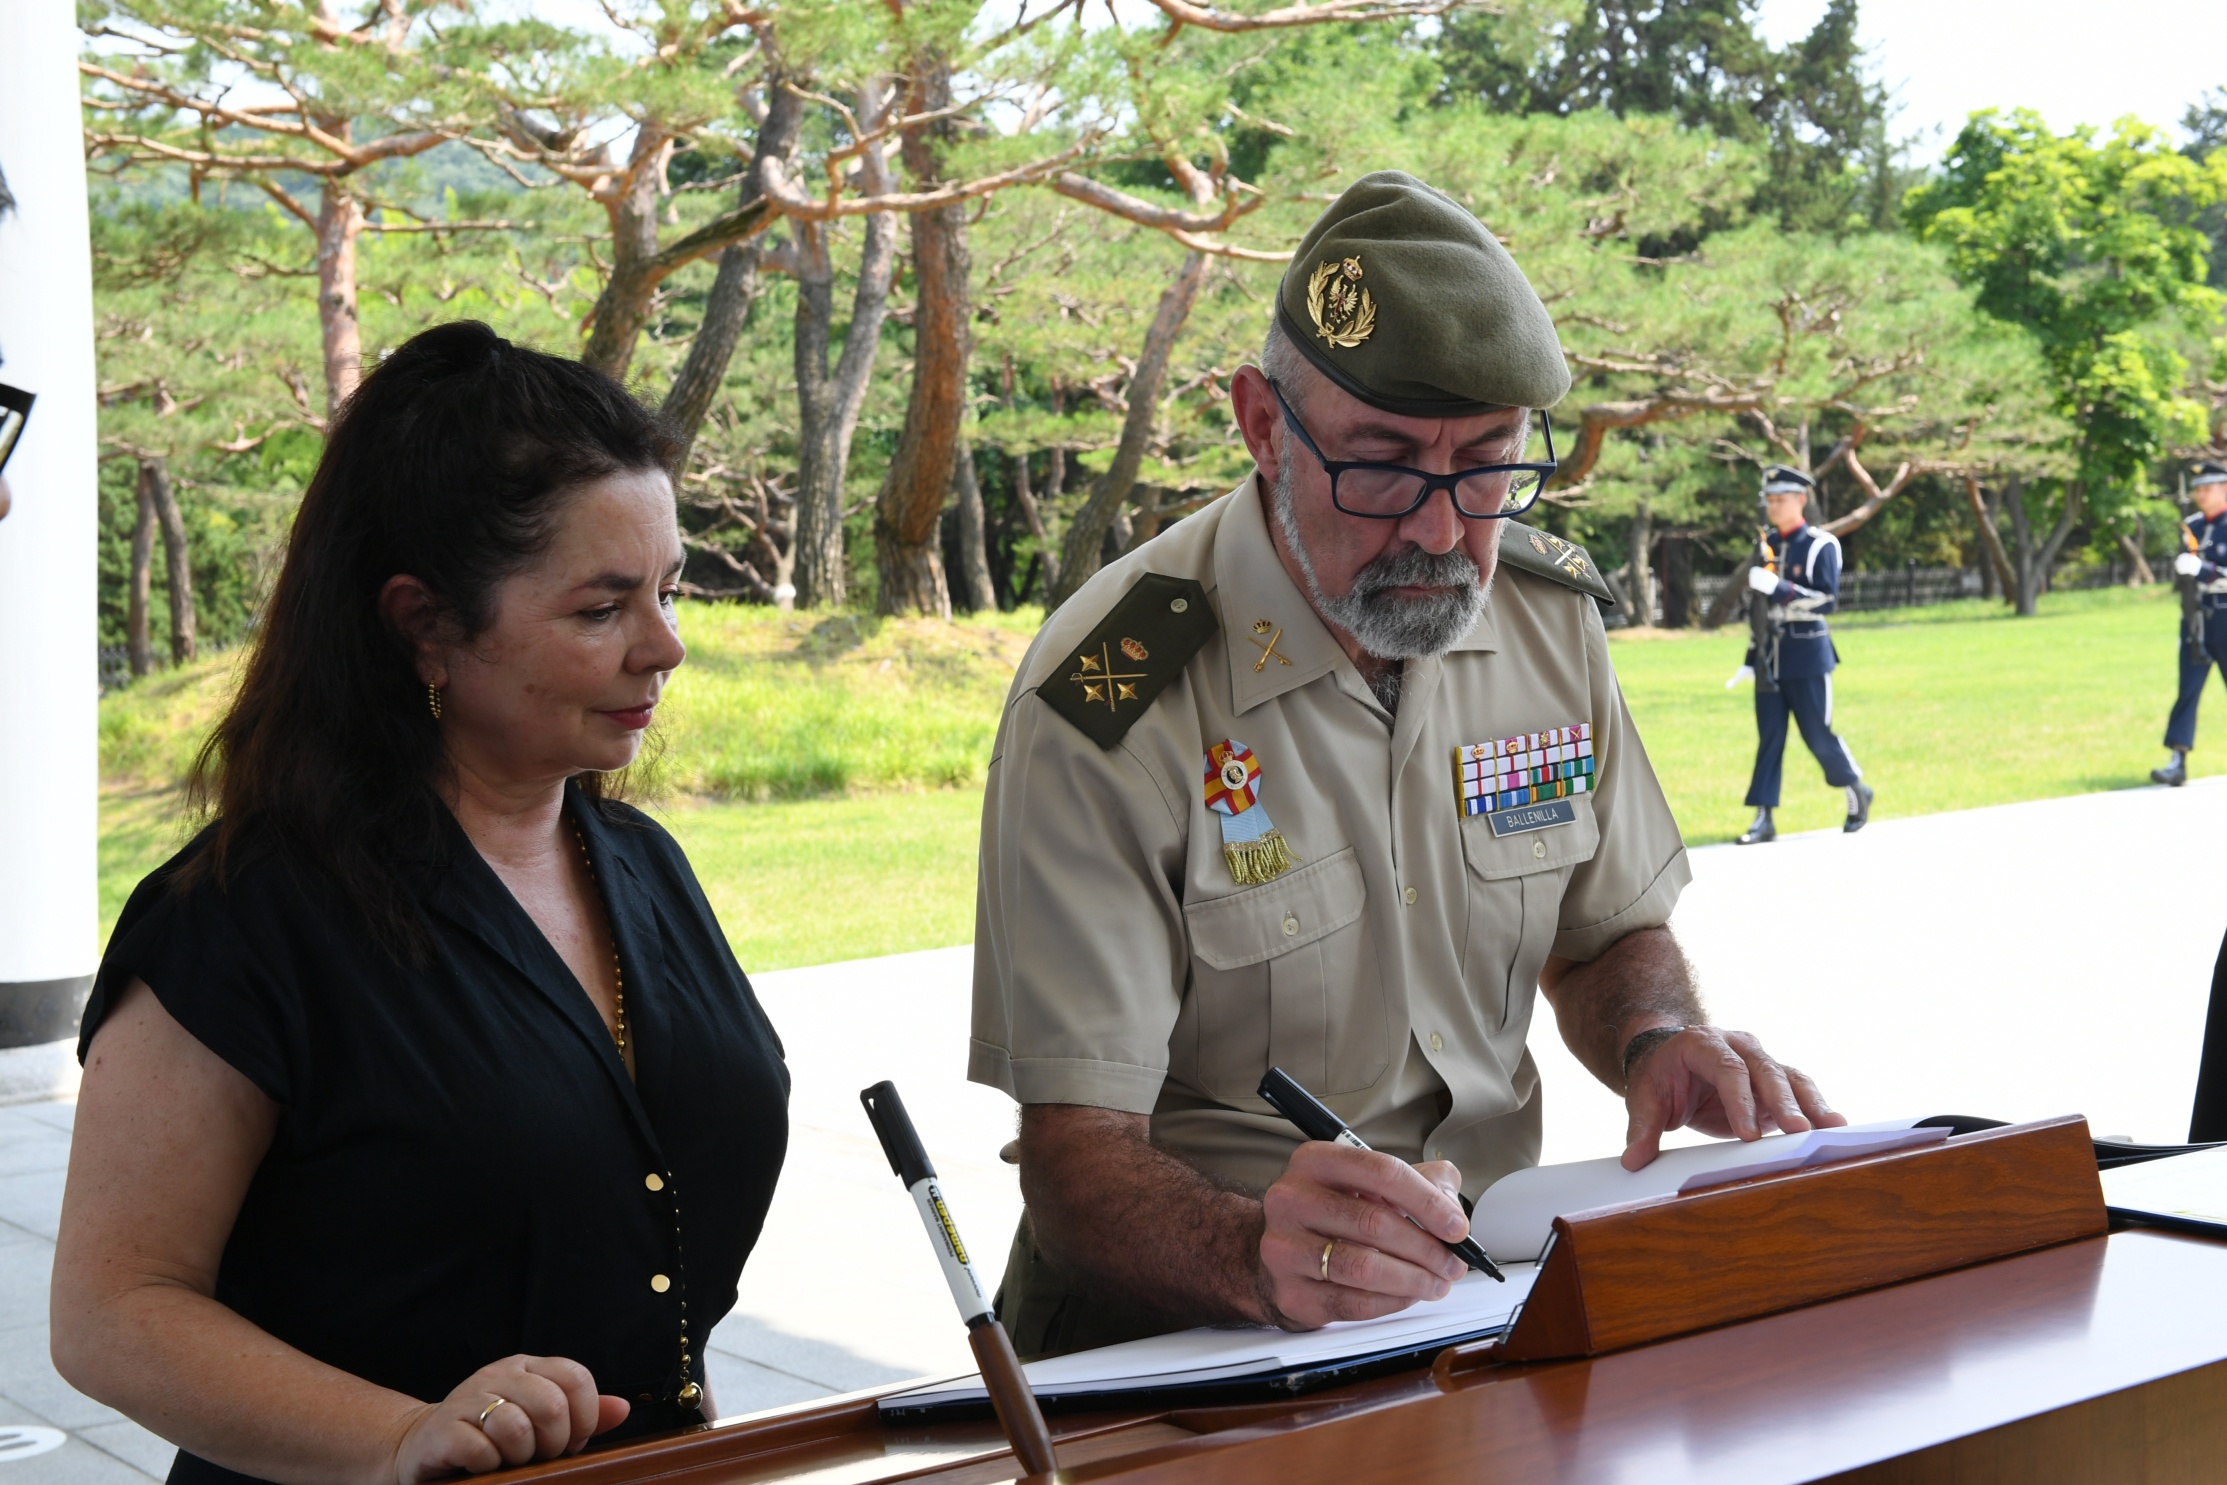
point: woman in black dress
(427, 1118)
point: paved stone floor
(2018, 961)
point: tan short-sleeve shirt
(1393, 968)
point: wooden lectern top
(2103, 1358)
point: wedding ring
(488, 1411)
(1326, 1247)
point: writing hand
(1357, 1204)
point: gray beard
(1387, 627)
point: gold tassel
(1256, 861)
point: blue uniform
(1801, 657)
(2204, 642)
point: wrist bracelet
(1644, 1042)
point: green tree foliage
(1809, 107)
(2093, 248)
(209, 353)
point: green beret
(1405, 300)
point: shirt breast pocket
(1516, 884)
(1281, 975)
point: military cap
(1784, 479)
(2206, 472)
(1402, 298)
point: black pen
(1316, 1122)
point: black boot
(2173, 774)
(1760, 829)
(1859, 814)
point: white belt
(2216, 585)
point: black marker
(1316, 1122)
(1002, 1376)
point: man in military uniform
(2202, 570)
(1791, 656)
(1332, 776)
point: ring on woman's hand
(488, 1411)
(1326, 1247)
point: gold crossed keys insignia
(1102, 683)
(1563, 554)
(1267, 646)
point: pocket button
(1538, 848)
(1291, 925)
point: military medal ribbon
(1254, 847)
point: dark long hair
(451, 462)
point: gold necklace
(618, 970)
(689, 1395)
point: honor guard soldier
(1793, 585)
(2202, 571)
(1333, 777)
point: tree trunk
(136, 647)
(339, 220)
(154, 475)
(2045, 561)
(1643, 576)
(1055, 457)
(2140, 576)
(1731, 596)
(908, 513)
(623, 308)
(1025, 498)
(1086, 534)
(976, 593)
(1677, 580)
(735, 287)
(828, 407)
(2025, 570)
(2001, 581)
(1047, 554)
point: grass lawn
(825, 774)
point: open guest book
(1512, 1220)
(2186, 1191)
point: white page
(1208, 1354)
(2193, 1186)
(1517, 1212)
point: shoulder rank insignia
(1137, 650)
(1550, 556)
(1252, 844)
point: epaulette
(1551, 557)
(1142, 645)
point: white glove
(2187, 564)
(1744, 673)
(1762, 582)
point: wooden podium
(2080, 1358)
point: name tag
(1532, 817)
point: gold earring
(433, 701)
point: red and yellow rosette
(1251, 843)
(1232, 778)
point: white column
(49, 687)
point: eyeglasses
(1386, 492)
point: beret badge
(1344, 311)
